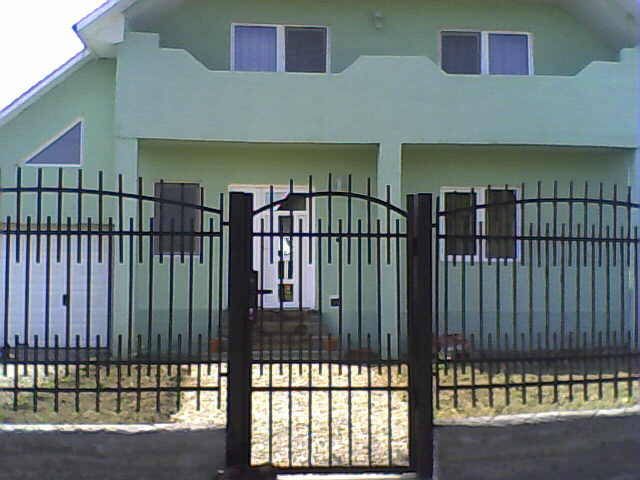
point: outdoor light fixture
(378, 19)
(294, 202)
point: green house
(469, 101)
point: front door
(284, 261)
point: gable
(45, 128)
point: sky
(35, 38)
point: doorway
(283, 258)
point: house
(214, 96)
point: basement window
(492, 53)
(469, 231)
(279, 48)
(63, 151)
(179, 221)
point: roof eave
(29, 97)
(103, 29)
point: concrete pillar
(389, 175)
(390, 171)
(125, 164)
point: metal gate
(338, 384)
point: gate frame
(238, 441)
(420, 321)
(420, 324)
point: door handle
(65, 300)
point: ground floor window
(479, 214)
(176, 218)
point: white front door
(284, 261)
(59, 292)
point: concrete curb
(119, 429)
(537, 418)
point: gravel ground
(297, 423)
(290, 428)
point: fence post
(420, 313)
(239, 350)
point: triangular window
(64, 150)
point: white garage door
(61, 294)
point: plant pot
(215, 345)
(330, 344)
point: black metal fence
(117, 310)
(306, 310)
(536, 298)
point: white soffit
(104, 28)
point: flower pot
(330, 344)
(215, 345)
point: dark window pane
(461, 52)
(66, 150)
(306, 49)
(177, 219)
(460, 223)
(508, 54)
(285, 224)
(501, 223)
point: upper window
(494, 53)
(177, 221)
(465, 226)
(279, 48)
(64, 150)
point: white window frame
(280, 45)
(484, 47)
(480, 219)
(51, 141)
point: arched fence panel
(536, 293)
(112, 290)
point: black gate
(328, 347)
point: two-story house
(438, 96)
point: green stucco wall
(215, 167)
(563, 46)
(376, 100)
(550, 298)
(89, 93)
(428, 168)
(425, 169)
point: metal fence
(541, 308)
(321, 322)
(95, 315)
